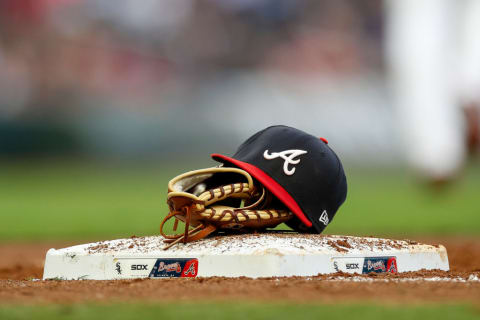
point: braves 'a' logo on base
(392, 265)
(191, 268)
(288, 156)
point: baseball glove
(219, 198)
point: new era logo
(324, 218)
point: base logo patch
(380, 264)
(174, 268)
(364, 265)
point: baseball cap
(301, 170)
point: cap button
(324, 140)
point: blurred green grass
(239, 310)
(74, 200)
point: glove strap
(197, 233)
(188, 214)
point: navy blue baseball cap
(301, 170)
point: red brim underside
(269, 183)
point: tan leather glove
(219, 198)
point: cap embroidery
(324, 217)
(288, 156)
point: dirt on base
(21, 263)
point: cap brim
(269, 183)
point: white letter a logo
(288, 156)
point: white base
(254, 255)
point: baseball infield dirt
(21, 263)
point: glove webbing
(225, 214)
